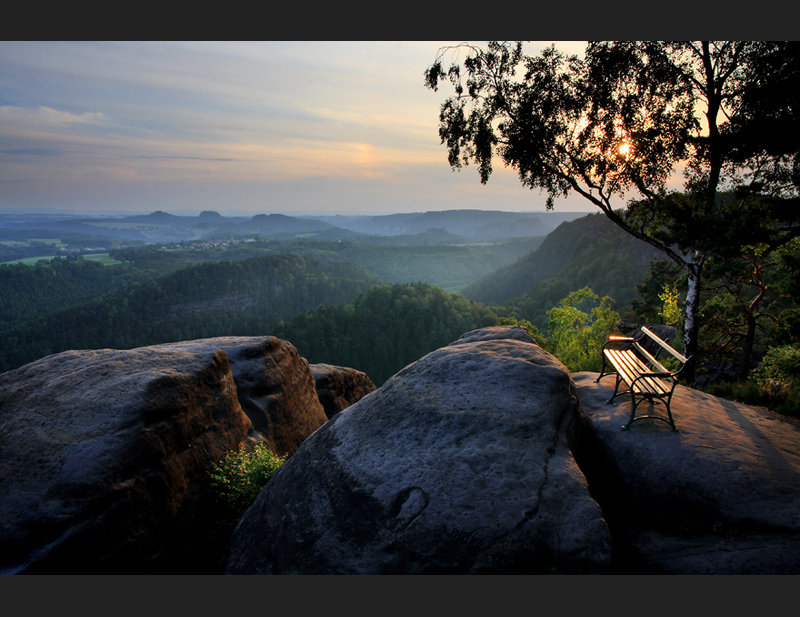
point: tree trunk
(692, 325)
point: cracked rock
(460, 464)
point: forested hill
(243, 297)
(589, 251)
(32, 292)
(385, 329)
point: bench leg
(635, 404)
(616, 388)
(669, 413)
(602, 370)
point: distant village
(195, 244)
(61, 250)
(205, 244)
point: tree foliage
(227, 298)
(578, 327)
(620, 120)
(386, 328)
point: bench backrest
(680, 357)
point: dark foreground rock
(274, 386)
(338, 387)
(721, 496)
(461, 463)
(104, 455)
(466, 461)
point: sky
(290, 127)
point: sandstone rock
(720, 496)
(104, 456)
(339, 387)
(460, 463)
(491, 333)
(274, 384)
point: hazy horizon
(232, 213)
(299, 128)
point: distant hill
(446, 227)
(159, 217)
(589, 251)
(476, 225)
(160, 226)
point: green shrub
(778, 378)
(239, 477)
(576, 337)
(747, 392)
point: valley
(373, 293)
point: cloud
(128, 119)
(14, 152)
(47, 117)
(186, 158)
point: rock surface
(338, 387)
(274, 385)
(104, 455)
(485, 456)
(721, 496)
(460, 463)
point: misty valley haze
(373, 292)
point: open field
(103, 258)
(30, 261)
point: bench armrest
(615, 339)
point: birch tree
(618, 124)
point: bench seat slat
(631, 367)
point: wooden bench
(645, 376)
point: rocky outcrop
(104, 455)
(721, 496)
(274, 386)
(338, 387)
(485, 456)
(460, 463)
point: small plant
(670, 311)
(532, 330)
(778, 378)
(775, 383)
(239, 477)
(778, 375)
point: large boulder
(720, 496)
(104, 456)
(338, 387)
(461, 463)
(274, 385)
